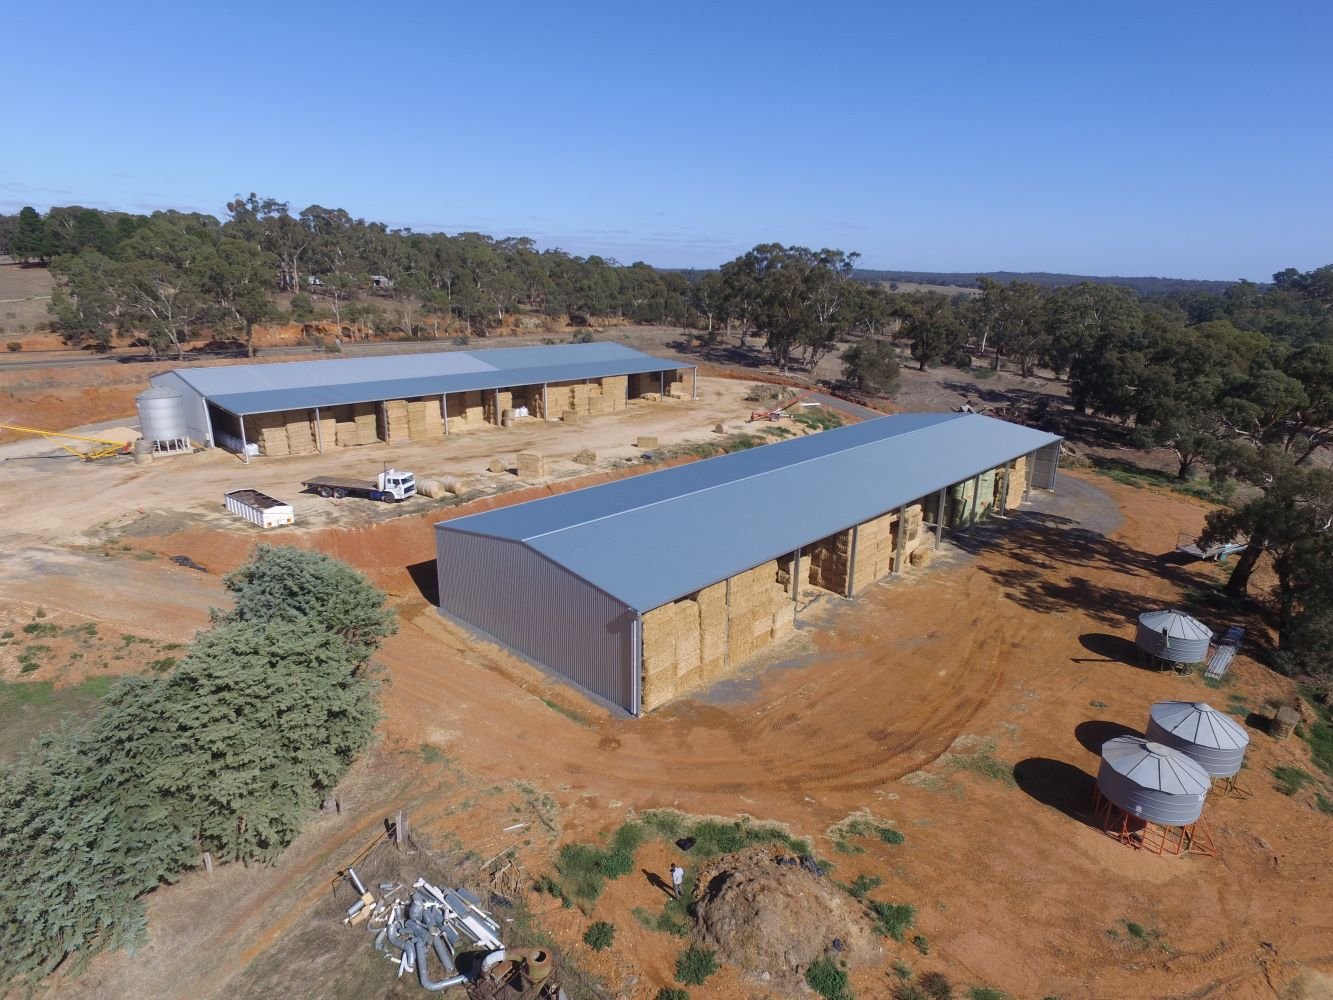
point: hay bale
(432, 488)
(531, 465)
(570, 417)
(498, 465)
(645, 441)
(585, 457)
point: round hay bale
(764, 911)
(498, 465)
(432, 488)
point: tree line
(227, 754)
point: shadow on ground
(427, 582)
(1109, 649)
(1092, 734)
(1058, 785)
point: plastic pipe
(423, 977)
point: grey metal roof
(295, 385)
(653, 538)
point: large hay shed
(644, 589)
(303, 407)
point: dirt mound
(769, 912)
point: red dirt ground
(1012, 653)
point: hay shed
(1211, 738)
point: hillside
(1046, 279)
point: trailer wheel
(388, 498)
(325, 492)
(339, 494)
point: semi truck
(390, 486)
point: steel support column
(796, 575)
(976, 501)
(444, 410)
(851, 565)
(546, 412)
(1004, 488)
(942, 505)
(694, 383)
(245, 449)
(900, 541)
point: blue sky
(1179, 138)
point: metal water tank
(162, 414)
(1214, 740)
(1151, 781)
(1187, 638)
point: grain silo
(162, 419)
(1215, 741)
(1151, 795)
(1173, 636)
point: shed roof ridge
(674, 497)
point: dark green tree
(872, 366)
(29, 241)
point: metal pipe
(1004, 487)
(976, 500)
(796, 575)
(444, 410)
(694, 383)
(319, 435)
(245, 449)
(423, 977)
(546, 412)
(661, 383)
(941, 504)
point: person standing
(677, 879)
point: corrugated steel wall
(524, 600)
(1045, 463)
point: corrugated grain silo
(1174, 636)
(1214, 740)
(1152, 782)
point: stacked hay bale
(660, 658)
(344, 422)
(713, 660)
(466, 410)
(699, 639)
(327, 435)
(759, 611)
(676, 387)
(300, 433)
(875, 543)
(393, 423)
(424, 419)
(366, 418)
(269, 431)
(615, 391)
(1017, 481)
(829, 561)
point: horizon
(1046, 139)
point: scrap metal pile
(411, 923)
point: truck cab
(397, 484)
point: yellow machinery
(104, 447)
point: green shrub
(891, 836)
(14, 345)
(40, 630)
(695, 964)
(862, 885)
(986, 993)
(829, 981)
(600, 936)
(892, 920)
(1291, 780)
(672, 993)
(921, 944)
(902, 969)
(935, 985)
